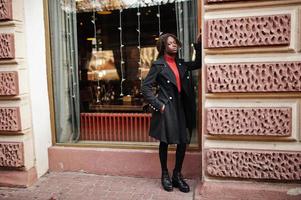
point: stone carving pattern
(248, 31)
(11, 154)
(5, 10)
(254, 165)
(10, 119)
(7, 49)
(9, 83)
(249, 121)
(254, 77)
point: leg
(180, 154)
(163, 148)
(165, 179)
(177, 178)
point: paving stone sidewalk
(81, 186)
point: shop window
(101, 52)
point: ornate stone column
(16, 140)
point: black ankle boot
(178, 182)
(166, 182)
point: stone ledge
(118, 162)
(10, 178)
(226, 190)
(15, 133)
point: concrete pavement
(81, 186)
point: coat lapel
(166, 71)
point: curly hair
(162, 42)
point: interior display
(102, 67)
(116, 50)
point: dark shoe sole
(175, 184)
(167, 189)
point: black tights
(180, 154)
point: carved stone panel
(11, 154)
(7, 46)
(9, 83)
(254, 164)
(6, 10)
(249, 121)
(248, 31)
(254, 77)
(10, 119)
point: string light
(179, 12)
(139, 42)
(121, 56)
(159, 20)
(94, 46)
(68, 6)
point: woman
(173, 107)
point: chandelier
(107, 5)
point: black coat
(180, 108)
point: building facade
(252, 90)
(25, 130)
(249, 90)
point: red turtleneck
(173, 66)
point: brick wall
(252, 90)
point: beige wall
(252, 90)
(39, 97)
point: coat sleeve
(147, 85)
(197, 63)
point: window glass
(102, 50)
